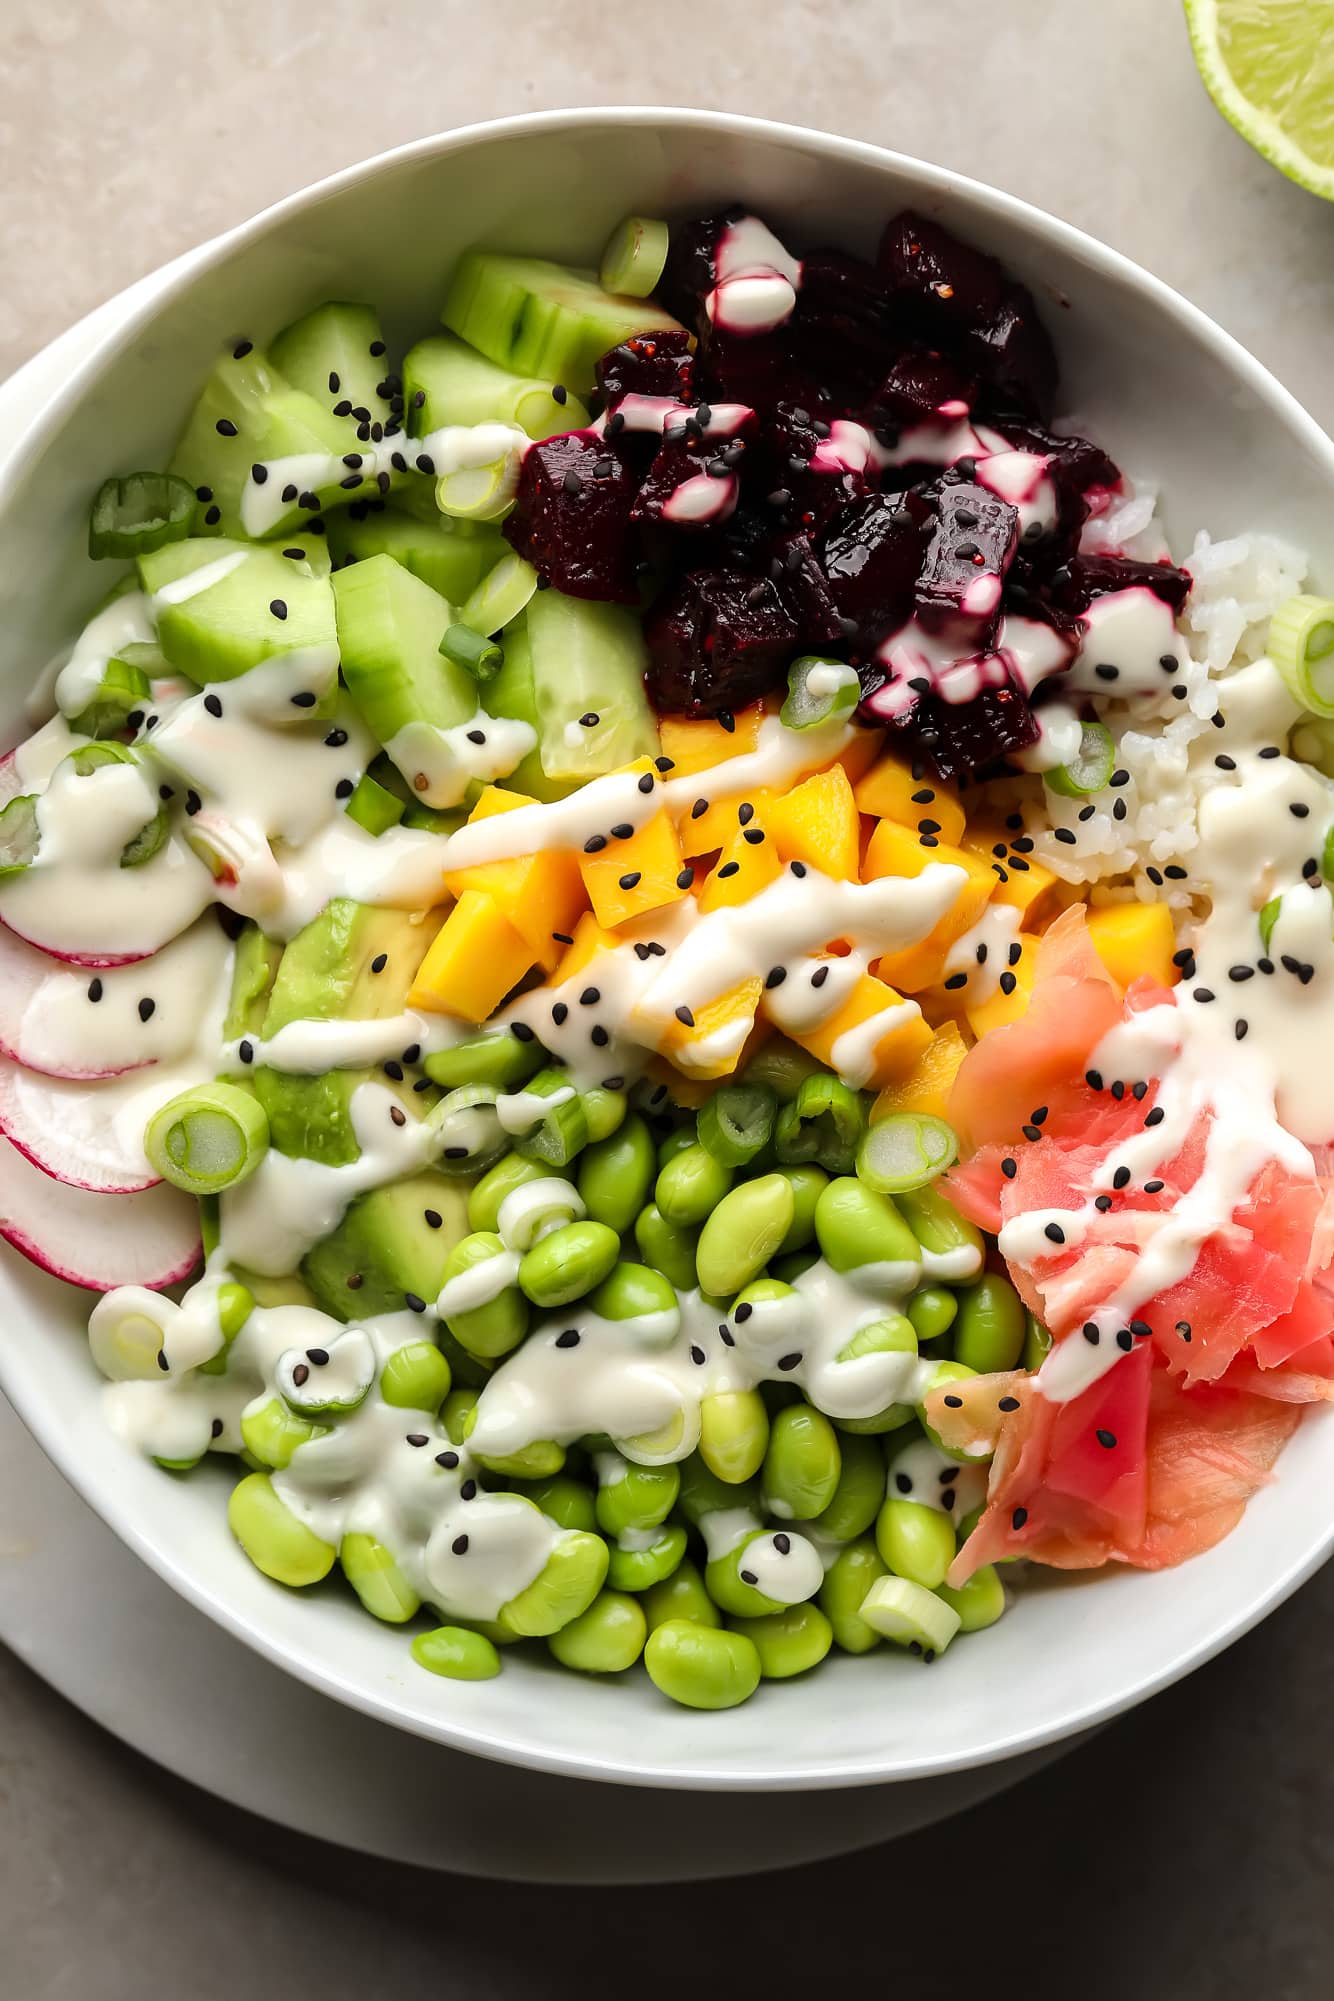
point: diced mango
(744, 868)
(1003, 1008)
(1029, 886)
(1135, 938)
(926, 1087)
(816, 823)
(704, 833)
(896, 850)
(890, 791)
(700, 744)
(870, 1058)
(628, 878)
(861, 753)
(474, 960)
(712, 1042)
(541, 894)
(590, 942)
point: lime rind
(1268, 65)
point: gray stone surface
(1186, 1854)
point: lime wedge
(1269, 67)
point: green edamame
(568, 1263)
(788, 1642)
(992, 1326)
(603, 1112)
(272, 1432)
(802, 1464)
(632, 1292)
(728, 1588)
(374, 1575)
(856, 1226)
(606, 1639)
(675, 1142)
(979, 1602)
(931, 1310)
(567, 1584)
(561, 1132)
(742, 1233)
(807, 1183)
(415, 1377)
(640, 1567)
(510, 1172)
(456, 1414)
(916, 1542)
(892, 1334)
(634, 1497)
(782, 1067)
(277, 1541)
(680, 1596)
(846, 1583)
(568, 1503)
(456, 1652)
(860, 1491)
(702, 1667)
(691, 1185)
(790, 1268)
(942, 1232)
(616, 1174)
(733, 1434)
(703, 1493)
(669, 1247)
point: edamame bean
(991, 1328)
(788, 1642)
(415, 1377)
(603, 1111)
(702, 1667)
(680, 1596)
(632, 1292)
(538, 1461)
(954, 1248)
(566, 1502)
(235, 1304)
(728, 1588)
(802, 1464)
(856, 1226)
(606, 1639)
(615, 1174)
(669, 1247)
(782, 1066)
(567, 1584)
(639, 1568)
(272, 1432)
(676, 1142)
(509, 1173)
(691, 1185)
(807, 1183)
(931, 1310)
(276, 1540)
(846, 1583)
(457, 1653)
(634, 1497)
(979, 1602)
(946, 1373)
(916, 1542)
(565, 1265)
(742, 1233)
(1037, 1343)
(374, 1575)
(456, 1414)
(498, 1325)
(893, 1334)
(733, 1434)
(860, 1491)
(790, 1268)
(703, 1493)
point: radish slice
(50, 1022)
(89, 1133)
(10, 783)
(97, 1241)
(93, 960)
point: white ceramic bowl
(1172, 397)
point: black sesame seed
(1007, 983)
(1102, 1202)
(569, 1339)
(1032, 1132)
(1107, 1439)
(94, 990)
(1241, 1029)
(955, 981)
(647, 782)
(147, 1009)
(1009, 1168)
(1106, 673)
(1055, 1233)
(685, 1017)
(1119, 809)
(798, 868)
(432, 1218)
(562, 937)
(1271, 750)
(398, 1116)
(788, 1362)
(1139, 1092)
(599, 1037)
(631, 879)
(685, 879)
(819, 976)
(748, 1576)
(460, 1545)
(1118, 1090)
(521, 1031)
(1066, 834)
(379, 962)
(246, 1051)
(225, 428)
(1121, 1178)
(278, 606)
(559, 1013)
(468, 1491)
(213, 516)
(729, 869)
(954, 1403)
(595, 844)
(1093, 1078)
(1091, 1334)
(1125, 1340)
(1155, 1117)
(590, 997)
(344, 789)
(589, 719)
(1154, 1187)
(1018, 1518)
(1202, 993)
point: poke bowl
(665, 943)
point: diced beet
(661, 363)
(913, 391)
(689, 275)
(804, 586)
(679, 460)
(717, 640)
(762, 370)
(871, 555)
(845, 327)
(946, 285)
(571, 516)
(804, 480)
(1014, 354)
(959, 738)
(1083, 578)
(970, 546)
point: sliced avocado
(254, 966)
(392, 1242)
(260, 604)
(436, 550)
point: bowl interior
(1174, 401)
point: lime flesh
(1269, 67)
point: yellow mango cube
(699, 744)
(926, 1087)
(541, 894)
(627, 878)
(896, 850)
(713, 1040)
(744, 868)
(590, 942)
(1029, 887)
(861, 752)
(848, 1042)
(704, 833)
(817, 823)
(889, 791)
(474, 960)
(1003, 1008)
(1135, 938)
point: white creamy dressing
(440, 764)
(945, 439)
(983, 953)
(656, 415)
(921, 1472)
(1133, 634)
(1060, 735)
(702, 498)
(194, 582)
(61, 1030)
(454, 448)
(309, 1048)
(126, 621)
(1022, 479)
(756, 279)
(520, 1111)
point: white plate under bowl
(1172, 397)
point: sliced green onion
(563, 1131)
(1091, 766)
(498, 1058)
(635, 257)
(1301, 645)
(373, 806)
(134, 515)
(142, 847)
(479, 493)
(20, 835)
(1313, 743)
(823, 1124)
(500, 597)
(208, 1139)
(736, 1122)
(1269, 918)
(482, 657)
(905, 1151)
(122, 688)
(819, 691)
(468, 1130)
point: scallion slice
(468, 1129)
(134, 515)
(20, 835)
(374, 806)
(1301, 645)
(819, 691)
(1089, 769)
(823, 1124)
(208, 1139)
(905, 1151)
(737, 1122)
(563, 1131)
(500, 597)
(479, 493)
(92, 757)
(635, 257)
(482, 657)
(122, 688)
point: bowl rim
(1066, 239)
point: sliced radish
(67, 1023)
(95, 961)
(89, 1132)
(97, 1241)
(10, 783)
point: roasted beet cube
(1074, 587)
(965, 736)
(762, 370)
(692, 483)
(661, 363)
(717, 640)
(1013, 353)
(689, 275)
(913, 391)
(943, 284)
(809, 475)
(970, 546)
(571, 516)
(844, 326)
(871, 556)
(805, 588)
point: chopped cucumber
(390, 625)
(542, 319)
(337, 355)
(458, 385)
(452, 557)
(374, 807)
(588, 659)
(504, 592)
(259, 604)
(512, 694)
(246, 415)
